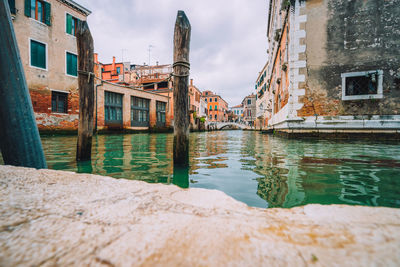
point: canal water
(258, 169)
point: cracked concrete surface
(52, 217)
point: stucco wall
(41, 82)
(351, 36)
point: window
(113, 108)
(160, 108)
(38, 10)
(248, 101)
(210, 99)
(139, 111)
(215, 100)
(215, 116)
(11, 4)
(362, 85)
(205, 99)
(38, 55)
(72, 64)
(71, 25)
(215, 107)
(118, 70)
(59, 102)
(210, 117)
(210, 107)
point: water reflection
(260, 170)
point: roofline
(77, 6)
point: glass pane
(40, 11)
(33, 9)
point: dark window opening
(215, 100)
(11, 3)
(59, 102)
(163, 85)
(118, 70)
(113, 109)
(160, 109)
(148, 86)
(140, 111)
(362, 85)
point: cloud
(228, 41)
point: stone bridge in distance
(223, 125)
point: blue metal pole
(19, 136)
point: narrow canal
(258, 169)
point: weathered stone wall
(351, 36)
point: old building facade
(45, 32)
(123, 106)
(249, 109)
(334, 67)
(217, 107)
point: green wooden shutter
(75, 65)
(69, 24)
(47, 13)
(11, 3)
(28, 8)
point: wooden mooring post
(84, 42)
(19, 136)
(181, 68)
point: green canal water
(258, 169)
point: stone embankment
(61, 218)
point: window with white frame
(38, 54)
(362, 85)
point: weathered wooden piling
(181, 78)
(19, 136)
(86, 91)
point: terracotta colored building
(45, 32)
(217, 107)
(125, 107)
(115, 72)
(194, 102)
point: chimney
(191, 82)
(113, 64)
(96, 58)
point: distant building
(115, 72)
(217, 107)
(332, 68)
(45, 32)
(122, 107)
(249, 109)
(194, 103)
(238, 112)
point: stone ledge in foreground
(52, 217)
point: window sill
(38, 68)
(39, 22)
(59, 113)
(71, 35)
(361, 97)
(72, 76)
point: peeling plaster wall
(351, 36)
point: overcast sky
(228, 41)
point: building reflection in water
(258, 169)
